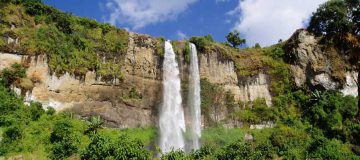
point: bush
(26, 84)
(101, 147)
(256, 112)
(50, 111)
(205, 152)
(10, 75)
(12, 134)
(63, 139)
(187, 52)
(35, 7)
(322, 148)
(174, 155)
(240, 149)
(160, 46)
(289, 142)
(202, 42)
(36, 110)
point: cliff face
(135, 99)
(317, 64)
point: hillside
(294, 100)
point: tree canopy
(336, 17)
(234, 39)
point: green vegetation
(182, 48)
(328, 132)
(160, 48)
(211, 100)
(234, 39)
(37, 134)
(72, 44)
(336, 17)
(202, 42)
(13, 75)
(255, 112)
(339, 21)
(309, 124)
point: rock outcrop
(134, 100)
(223, 73)
(320, 65)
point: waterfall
(172, 121)
(194, 99)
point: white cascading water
(194, 99)
(172, 121)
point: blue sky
(259, 21)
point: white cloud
(267, 21)
(139, 13)
(181, 35)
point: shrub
(160, 48)
(50, 111)
(174, 155)
(205, 152)
(101, 147)
(256, 112)
(36, 110)
(12, 134)
(125, 148)
(257, 46)
(202, 42)
(26, 84)
(10, 75)
(322, 148)
(187, 52)
(35, 7)
(116, 41)
(289, 142)
(241, 149)
(63, 139)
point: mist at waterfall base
(172, 121)
(194, 99)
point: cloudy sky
(259, 21)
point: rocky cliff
(314, 63)
(134, 99)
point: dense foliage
(309, 124)
(336, 17)
(72, 44)
(235, 40)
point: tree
(336, 17)
(234, 39)
(354, 14)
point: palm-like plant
(94, 124)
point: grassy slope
(73, 44)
